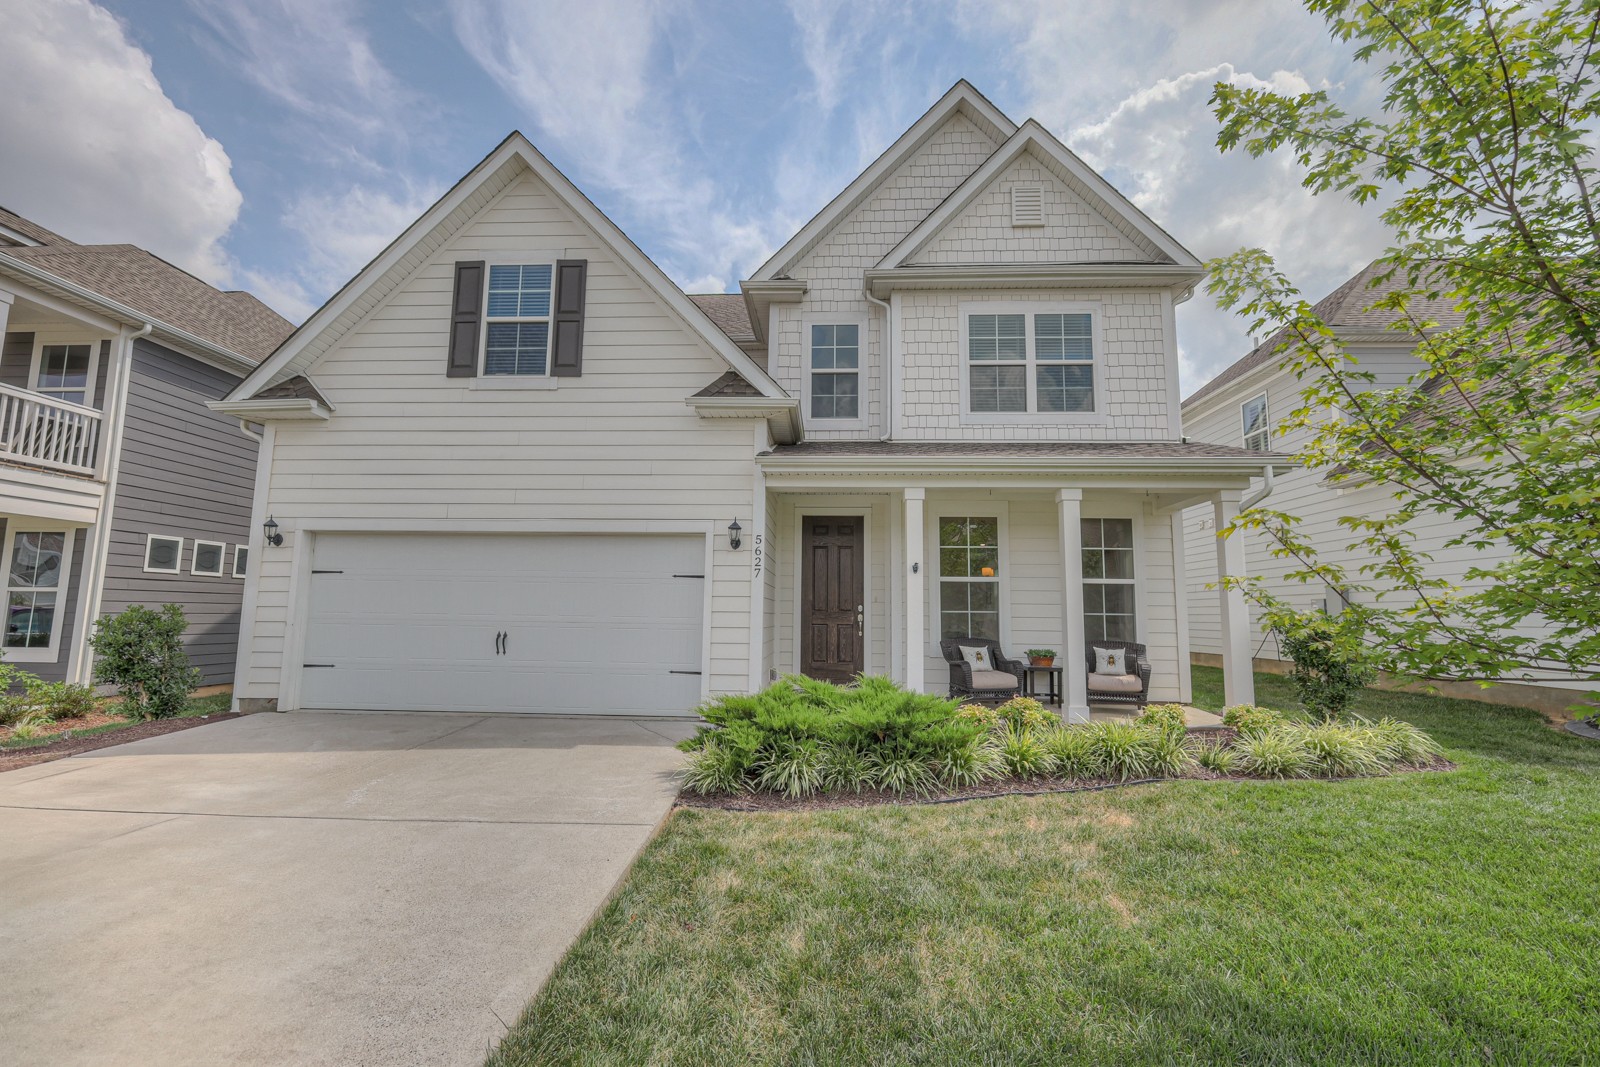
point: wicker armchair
(1131, 688)
(1002, 683)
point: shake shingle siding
(185, 472)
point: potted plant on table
(1041, 657)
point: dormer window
(1030, 364)
(1253, 416)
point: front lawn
(1421, 918)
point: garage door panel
(592, 624)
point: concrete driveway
(312, 888)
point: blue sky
(275, 145)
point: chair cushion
(977, 656)
(1109, 661)
(1114, 683)
(993, 680)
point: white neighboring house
(1247, 405)
(507, 457)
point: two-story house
(514, 468)
(1248, 403)
(118, 485)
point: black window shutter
(466, 310)
(572, 279)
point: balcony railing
(44, 432)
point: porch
(864, 575)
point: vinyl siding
(617, 445)
(185, 472)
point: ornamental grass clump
(1075, 751)
(1024, 753)
(1402, 743)
(1122, 749)
(1339, 751)
(972, 764)
(1169, 755)
(1273, 753)
(1216, 756)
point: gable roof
(452, 211)
(729, 312)
(1347, 308)
(1073, 172)
(26, 228)
(148, 284)
(962, 97)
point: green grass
(215, 704)
(1418, 919)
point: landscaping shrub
(793, 767)
(1340, 751)
(982, 714)
(900, 774)
(1330, 659)
(1216, 756)
(140, 651)
(1024, 754)
(1249, 719)
(1122, 749)
(59, 700)
(1026, 713)
(715, 768)
(1273, 753)
(972, 764)
(1401, 742)
(1167, 718)
(1075, 751)
(1169, 754)
(844, 768)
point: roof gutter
(117, 310)
(1261, 492)
(1036, 464)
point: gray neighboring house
(118, 485)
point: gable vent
(1027, 205)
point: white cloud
(95, 149)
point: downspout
(1257, 495)
(888, 363)
(92, 581)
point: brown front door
(832, 611)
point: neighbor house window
(836, 371)
(36, 563)
(969, 577)
(64, 372)
(1253, 414)
(517, 319)
(162, 554)
(1021, 363)
(241, 559)
(208, 558)
(1108, 596)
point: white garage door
(559, 623)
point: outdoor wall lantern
(733, 534)
(269, 530)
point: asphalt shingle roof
(28, 228)
(1347, 307)
(728, 311)
(730, 384)
(146, 283)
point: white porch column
(1238, 683)
(916, 582)
(6, 299)
(1074, 669)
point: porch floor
(1114, 713)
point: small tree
(140, 651)
(1330, 655)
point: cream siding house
(514, 468)
(1248, 405)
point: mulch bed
(989, 790)
(72, 746)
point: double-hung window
(969, 577)
(1253, 417)
(1109, 602)
(517, 319)
(36, 571)
(1026, 362)
(835, 368)
(63, 372)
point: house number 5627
(758, 555)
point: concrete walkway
(312, 888)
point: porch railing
(43, 432)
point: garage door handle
(682, 672)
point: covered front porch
(865, 569)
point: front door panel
(832, 608)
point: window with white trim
(163, 554)
(241, 560)
(835, 371)
(36, 573)
(969, 577)
(1109, 600)
(1253, 418)
(65, 371)
(207, 559)
(516, 333)
(1021, 363)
